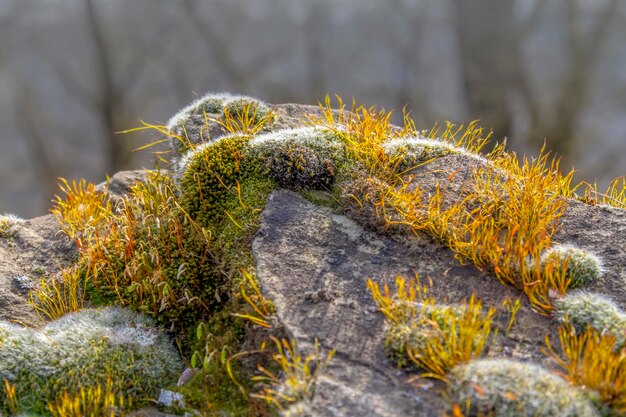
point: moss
(432, 321)
(255, 109)
(583, 267)
(304, 158)
(582, 309)
(154, 258)
(191, 126)
(210, 174)
(9, 225)
(410, 152)
(506, 388)
(83, 349)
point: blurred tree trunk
(491, 38)
(486, 42)
(109, 100)
(583, 49)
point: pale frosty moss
(83, 349)
(583, 267)
(190, 124)
(507, 388)
(582, 309)
(300, 158)
(9, 224)
(410, 152)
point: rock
(314, 264)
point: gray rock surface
(314, 265)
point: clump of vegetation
(433, 336)
(507, 388)
(591, 359)
(305, 158)
(147, 253)
(84, 350)
(9, 225)
(81, 211)
(211, 173)
(246, 107)
(59, 295)
(211, 116)
(583, 310)
(410, 152)
(582, 266)
(294, 389)
(614, 195)
(95, 401)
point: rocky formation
(313, 255)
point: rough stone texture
(314, 265)
(38, 249)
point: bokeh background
(73, 72)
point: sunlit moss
(84, 349)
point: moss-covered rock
(304, 158)
(210, 174)
(407, 153)
(192, 125)
(83, 349)
(506, 388)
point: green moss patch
(83, 349)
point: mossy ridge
(304, 158)
(507, 388)
(83, 350)
(191, 125)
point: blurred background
(73, 72)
